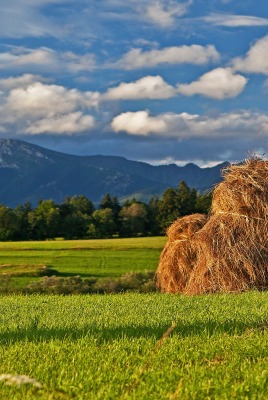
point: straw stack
(228, 252)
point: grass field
(87, 258)
(125, 346)
(110, 347)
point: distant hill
(29, 173)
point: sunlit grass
(98, 258)
(107, 347)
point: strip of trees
(77, 218)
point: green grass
(99, 258)
(109, 347)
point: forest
(78, 218)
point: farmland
(87, 258)
(110, 347)
(127, 345)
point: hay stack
(231, 250)
(244, 190)
(179, 254)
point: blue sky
(160, 81)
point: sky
(160, 81)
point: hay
(230, 258)
(179, 255)
(229, 251)
(244, 190)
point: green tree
(153, 211)
(82, 204)
(22, 212)
(106, 202)
(44, 220)
(203, 202)
(186, 199)
(9, 224)
(75, 215)
(169, 209)
(134, 220)
(102, 224)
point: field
(87, 258)
(110, 347)
(129, 345)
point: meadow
(87, 258)
(135, 346)
(128, 345)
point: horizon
(157, 81)
(164, 163)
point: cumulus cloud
(41, 99)
(186, 126)
(148, 87)
(46, 108)
(139, 123)
(68, 124)
(220, 83)
(233, 21)
(194, 54)
(256, 60)
(24, 80)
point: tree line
(78, 218)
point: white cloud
(77, 63)
(40, 99)
(45, 108)
(24, 80)
(184, 126)
(194, 54)
(19, 19)
(46, 60)
(256, 60)
(145, 42)
(42, 56)
(233, 21)
(148, 87)
(138, 123)
(67, 124)
(220, 83)
(164, 14)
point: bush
(132, 281)
(59, 285)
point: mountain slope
(29, 173)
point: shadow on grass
(103, 334)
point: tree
(82, 204)
(153, 220)
(44, 220)
(9, 224)
(134, 219)
(102, 224)
(186, 199)
(106, 202)
(22, 213)
(169, 209)
(203, 202)
(75, 215)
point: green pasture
(87, 258)
(110, 347)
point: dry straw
(229, 251)
(179, 255)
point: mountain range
(29, 173)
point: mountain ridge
(29, 172)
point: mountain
(30, 173)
